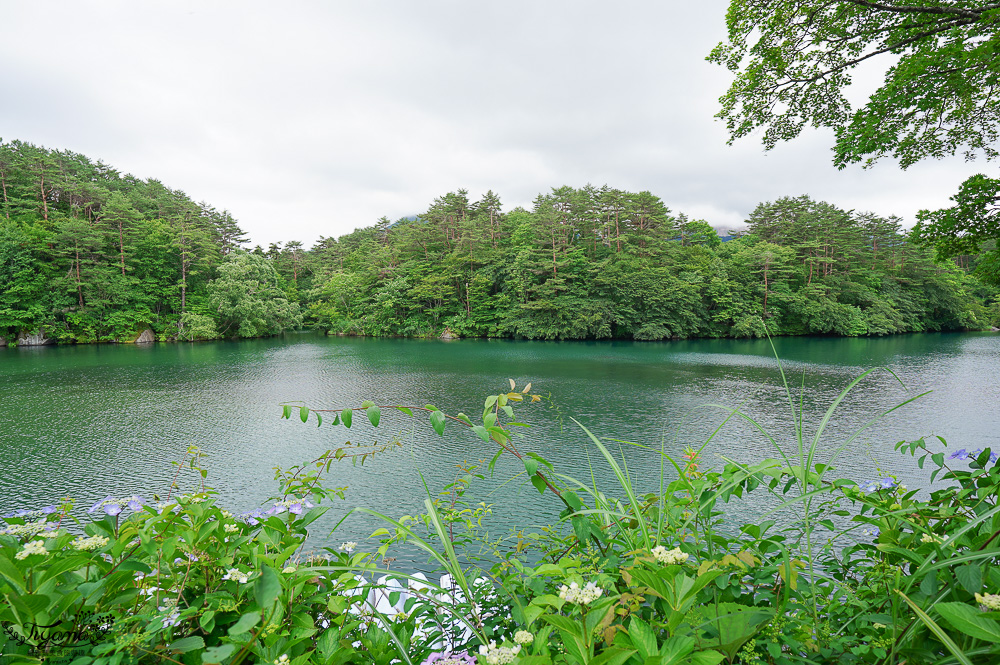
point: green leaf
(437, 422)
(367, 404)
(481, 431)
(969, 621)
(286, 411)
(267, 587)
(643, 638)
(319, 420)
(304, 413)
(246, 622)
(710, 657)
(970, 576)
(531, 466)
(374, 414)
(949, 643)
(216, 655)
(539, 483)
(405, 410)
(612, 656)
(186, 644)
(347, 416)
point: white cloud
(313, 118)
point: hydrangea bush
(866, 572)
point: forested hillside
(88, 254)
(604, 263)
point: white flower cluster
(348, 547)
(669, 557)
(87, 544)
(282, 659)
(580, 596)
(231, 528)
(34, 547)
(288, 569)
(990, 602)
(494, 655)
(28, 530)
(236, 574)
(523, 637)
(49, 534)
(928, 538)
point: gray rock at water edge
(448, 334)
(993, 329)
(34, 339)
(3, 341)
(145, 337)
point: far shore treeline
(89, 255)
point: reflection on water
(87, 421)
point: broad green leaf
(539, 483)
(367, 403)
(246, 622)
(216, 655)
(304, 413)
(186, 644)
(643, 638)
(405, 410)
(286, 411)
(267, 587)
(531, 466)
(374, 414)
(949, 643)
(970, 621)
(437, 422)
(612, 656)
(481, 431)
(970, 576)
(347, 416)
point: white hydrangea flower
(33, 547)
(236, 574)
(282, 659)
(669, 557)
(288, 569)
(231, 528)
(523, 637)
(88, 544)
(27, 530)
(989, 602)
(580, 596)
(928, 538)
(348, 547)
(494, 655)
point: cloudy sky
(314, 118)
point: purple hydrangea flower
(887, 483)
(959, 454)
(48, 510)
(869, 486)
(254, 517)
(976, 453)
(135, 503)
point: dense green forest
(88, 254)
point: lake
(88, 421)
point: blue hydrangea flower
(959, 454)
(887, 483)
(869, 486)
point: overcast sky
(315, 118)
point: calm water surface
(87, 421)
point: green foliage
(247, 298)
(793, 61)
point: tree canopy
(794, 61)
